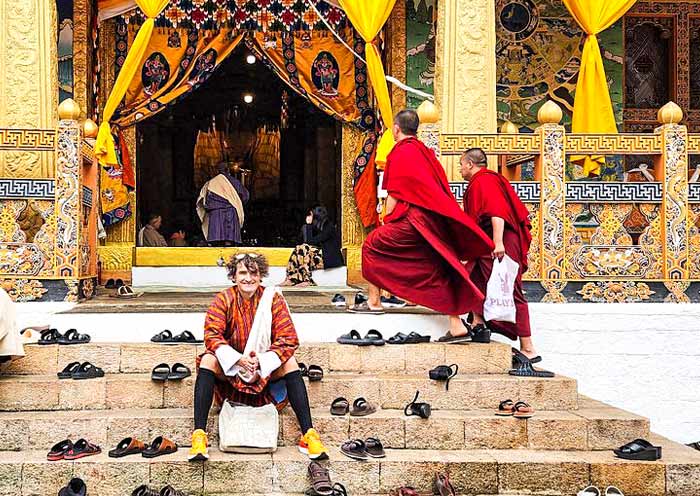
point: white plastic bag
(500, 304)
(247, 429)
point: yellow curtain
(368, 17)
(104, 146)
(593, 111)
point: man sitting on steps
(229, 373)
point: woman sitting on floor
(320, 250)
(256, 378)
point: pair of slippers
(357, 449)
(164, 372)
(313, 372)
(166, 337)
(81, 371)
(321, 482)
(67, 450)
(360, 408)
(372, 338)
(131, 446)
(149, 491)
(72, 336)
(520, 409)
(639, 449)
(594, 491)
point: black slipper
(340, 407)
(69, 370)
(398, 338)
(178, 372)
(639, 449)
(163, 337)
(59, 450)
(110, 284)
(74, 337)
(160, 372)
(88, 371)
(303, 370)
(415, 338)
(450, 339)
(315, 373)
(186, 337)
(374, 448)
(353, 337)
(374, 337)
(523, 368)
(49, 336)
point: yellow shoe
(198, 451)
(311, 445)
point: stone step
(595, 428)
(471, 472)
(113, 358)
(121, 391)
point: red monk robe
(417, 254)
(491, 195)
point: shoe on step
(310, 444)
(76, 487)
(613, 491)
(392, 302)
(589, 491)
(480, 334)
(171, 491)
(145, 491)
(199, 451)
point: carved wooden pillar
(465, 83)
(28, 80)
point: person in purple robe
(220, 208)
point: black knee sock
(299, 399)
(203, 396)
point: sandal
(399, 338)
(145, 491)
(163, 337)
(354, 449)
(374, 448)
(523, 368)
(415, 338)
(186, 337)
(69, 370)
(159, 447)
(160, 372)
(320, 480)
(444, 373)
(505, 408)
(448, 338)
(315, 373)
(422, 410)
(340, 407)
(353, 337)
(81, 449)
(59, 450)
(374, 337)
(639, 449)
(88, 371)
(444, 486)
(522, 410)
(339, 490)
(303, 370)
(361, 408)
(73, 337)
(179, 372)
(110, 284)
(128, 446)
(49, 336)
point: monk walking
(417, 254)
(495, 206)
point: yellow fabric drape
(368, 17)
(593, 111)
(104, 145)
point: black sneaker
(392, 302)
(480, 334)
(360, 299)
(338, 300)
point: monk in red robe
(418, 253)
(495, 206)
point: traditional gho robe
(491, 195)
(227, 327)
(149, 236)
(220, 208)
(417, 254)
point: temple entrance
(283, 149)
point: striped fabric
(228, 322)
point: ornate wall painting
(421, 31)
(65, 49)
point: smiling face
(247, 280)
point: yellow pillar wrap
(368, 17)
(593, 111)
(104, 146)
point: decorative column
(549, 171)
(465, 82)
(673, 174)
(353, 233)
(28, 80)
(429, 130)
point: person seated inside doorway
(320, 249)
(220, 208)
(226, 372)
(149, 235)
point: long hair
(320, 217)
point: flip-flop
(448, 338)
(340, 407)
(74, 337)
(127, 446)
(59, 450)
(374, 337)
(186, 337)
(160, 372)
(69, 370)
(353, 337)
(81, 449)
(88, 371)
(374, 448)
(178, 372)
(505, 408)
(320, 480)
(315, 373)
(159, 446)
(163, 337)
(339, 490)
(49, 336)
(361, 408)
(522, 410)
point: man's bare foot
(304, 284)
(286, 283)
(457, 327)
(529, 352)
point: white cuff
(269, 362)
(228, 358)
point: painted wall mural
(421, 32)
(65, 49)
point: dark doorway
(291, 167)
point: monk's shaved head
(475, 156)
(407, 120)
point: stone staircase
(563, 448)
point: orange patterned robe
(228, 322)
